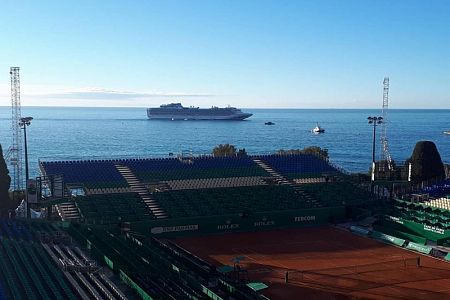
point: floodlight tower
(386, 156)
(16, 146)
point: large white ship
(176, 111)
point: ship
(176, 111)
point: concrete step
(134, 183)
(137, 186)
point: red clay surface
(327, 256)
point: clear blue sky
(299, 54)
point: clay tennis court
(325, 263)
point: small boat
(269, 123)
(446, 132)
(318, 129)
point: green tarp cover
(257, 286)
(447, 257)
(359, 230)
(388, 238)
(225, 269)
(419, 248)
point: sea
(69, 133)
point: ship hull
(168, 116)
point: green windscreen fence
(235, 222)
(433, 233)
(388, 238)
(402, 235)
(419, 248)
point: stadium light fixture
(23, 123)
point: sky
(249, 54)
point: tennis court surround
(326, 263)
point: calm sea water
(70, 133)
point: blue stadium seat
(298, 165)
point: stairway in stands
(68, 211)
(280, 179)
(138, 187)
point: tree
(224, 150)
(426, 162)
(5, 181)
(313, 150)
(317, 151)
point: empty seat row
(215, 183)
(29, 274)
(92, 174)
(298, 165)
(108, 190)
(441, 189)
(337, 193)
(219, 201)
(310, 180)
(443, 203)
(112, 208)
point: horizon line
(275, 108)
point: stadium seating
(102, 176)
(143, 268)
(22, 230)
(438, 190)
(294, 166)
(422, 213)
(148, 170)
(26, 271)
(220, 201)
(153, 269)
(92, 174)
(443, 203)
(337, 193)
(309, 180)
(110, 208)
(215, 182)
(202, 186)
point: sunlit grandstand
(421, 215)
(132, 190)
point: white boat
(318, 129)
